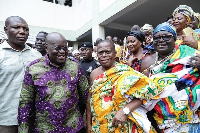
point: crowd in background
(56, 80)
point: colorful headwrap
(166, 27)
(147, 27)
(138, 34)
(186, 11)
(197, 15)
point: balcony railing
(61, 2)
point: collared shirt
(54, 93)
(12, 67)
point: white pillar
(98, 32)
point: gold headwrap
(186, 11)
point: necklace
(157, 62)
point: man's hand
(119, 119)
(195, 61)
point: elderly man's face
(106, 54)
(17, 31)
(164, 42)
(56, 48)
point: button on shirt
(12, 68)
(54, 93)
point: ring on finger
(119, 125)
(193, 61)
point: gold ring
(193, 61)
(119, 125)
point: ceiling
(152, 12)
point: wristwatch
(126, 110)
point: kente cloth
(197, 31)
(177, 110)
(115, 88)
(51, 96)
(180, 42)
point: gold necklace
(164, 59)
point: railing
(61, 2)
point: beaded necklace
(159, 62)
(164, 59)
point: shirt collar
(5, 45)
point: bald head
(54, 38)
(135, 27)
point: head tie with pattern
(166, 27)
(186, 11)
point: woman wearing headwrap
(182, 17)
(195, 24)
(134, 49)
(176, 71)
(148, 41)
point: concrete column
(75, 45)
(98, 32)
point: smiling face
(17, 31)
(163, 47)
(56, 48)
(133, 44)
(106, 54)
(180, 22)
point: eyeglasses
(102, 52)
(58, 48)
(164, 38)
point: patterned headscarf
(197, 15)
(166, 27)
(147, 27)
(186, 11)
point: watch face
(126, 111)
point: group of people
(118, 89)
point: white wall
(103, 4)
(39, 13)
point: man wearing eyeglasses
(53, 85)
